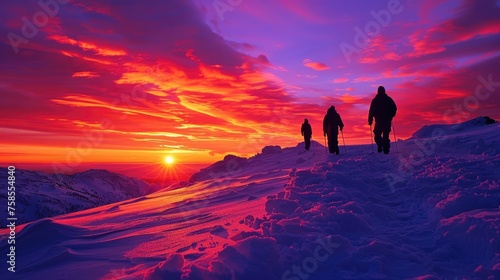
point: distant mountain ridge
(41, 195)
(427, 131)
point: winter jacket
(332, 122)
(383, 109)
(306, 130)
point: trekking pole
(326, 151)
(371, 138)
(345, 149)
(395, 139)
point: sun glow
(169, 160)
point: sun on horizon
(169, 160)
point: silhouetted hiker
(307, 132)
(331, 124)
(383, 109)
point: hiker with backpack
(331, 124)
(306, 131)
(383, 109)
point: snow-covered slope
(430, 211)
(429, 131)
(40, 195)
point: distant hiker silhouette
(331, 124)
(383, 109)
(307, 132)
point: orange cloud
(318, 66)
(380, 48)
(346, 98)
(392, 56)
(87, 46)
(117, 105)
(366, 79)
(340, 80)
(85, 74)
(91, 59)
(444, 94)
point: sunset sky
(134, 81)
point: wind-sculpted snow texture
(430, 211)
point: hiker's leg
(386, 140)
(331, 143)
(336, 144)
(377, 132)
